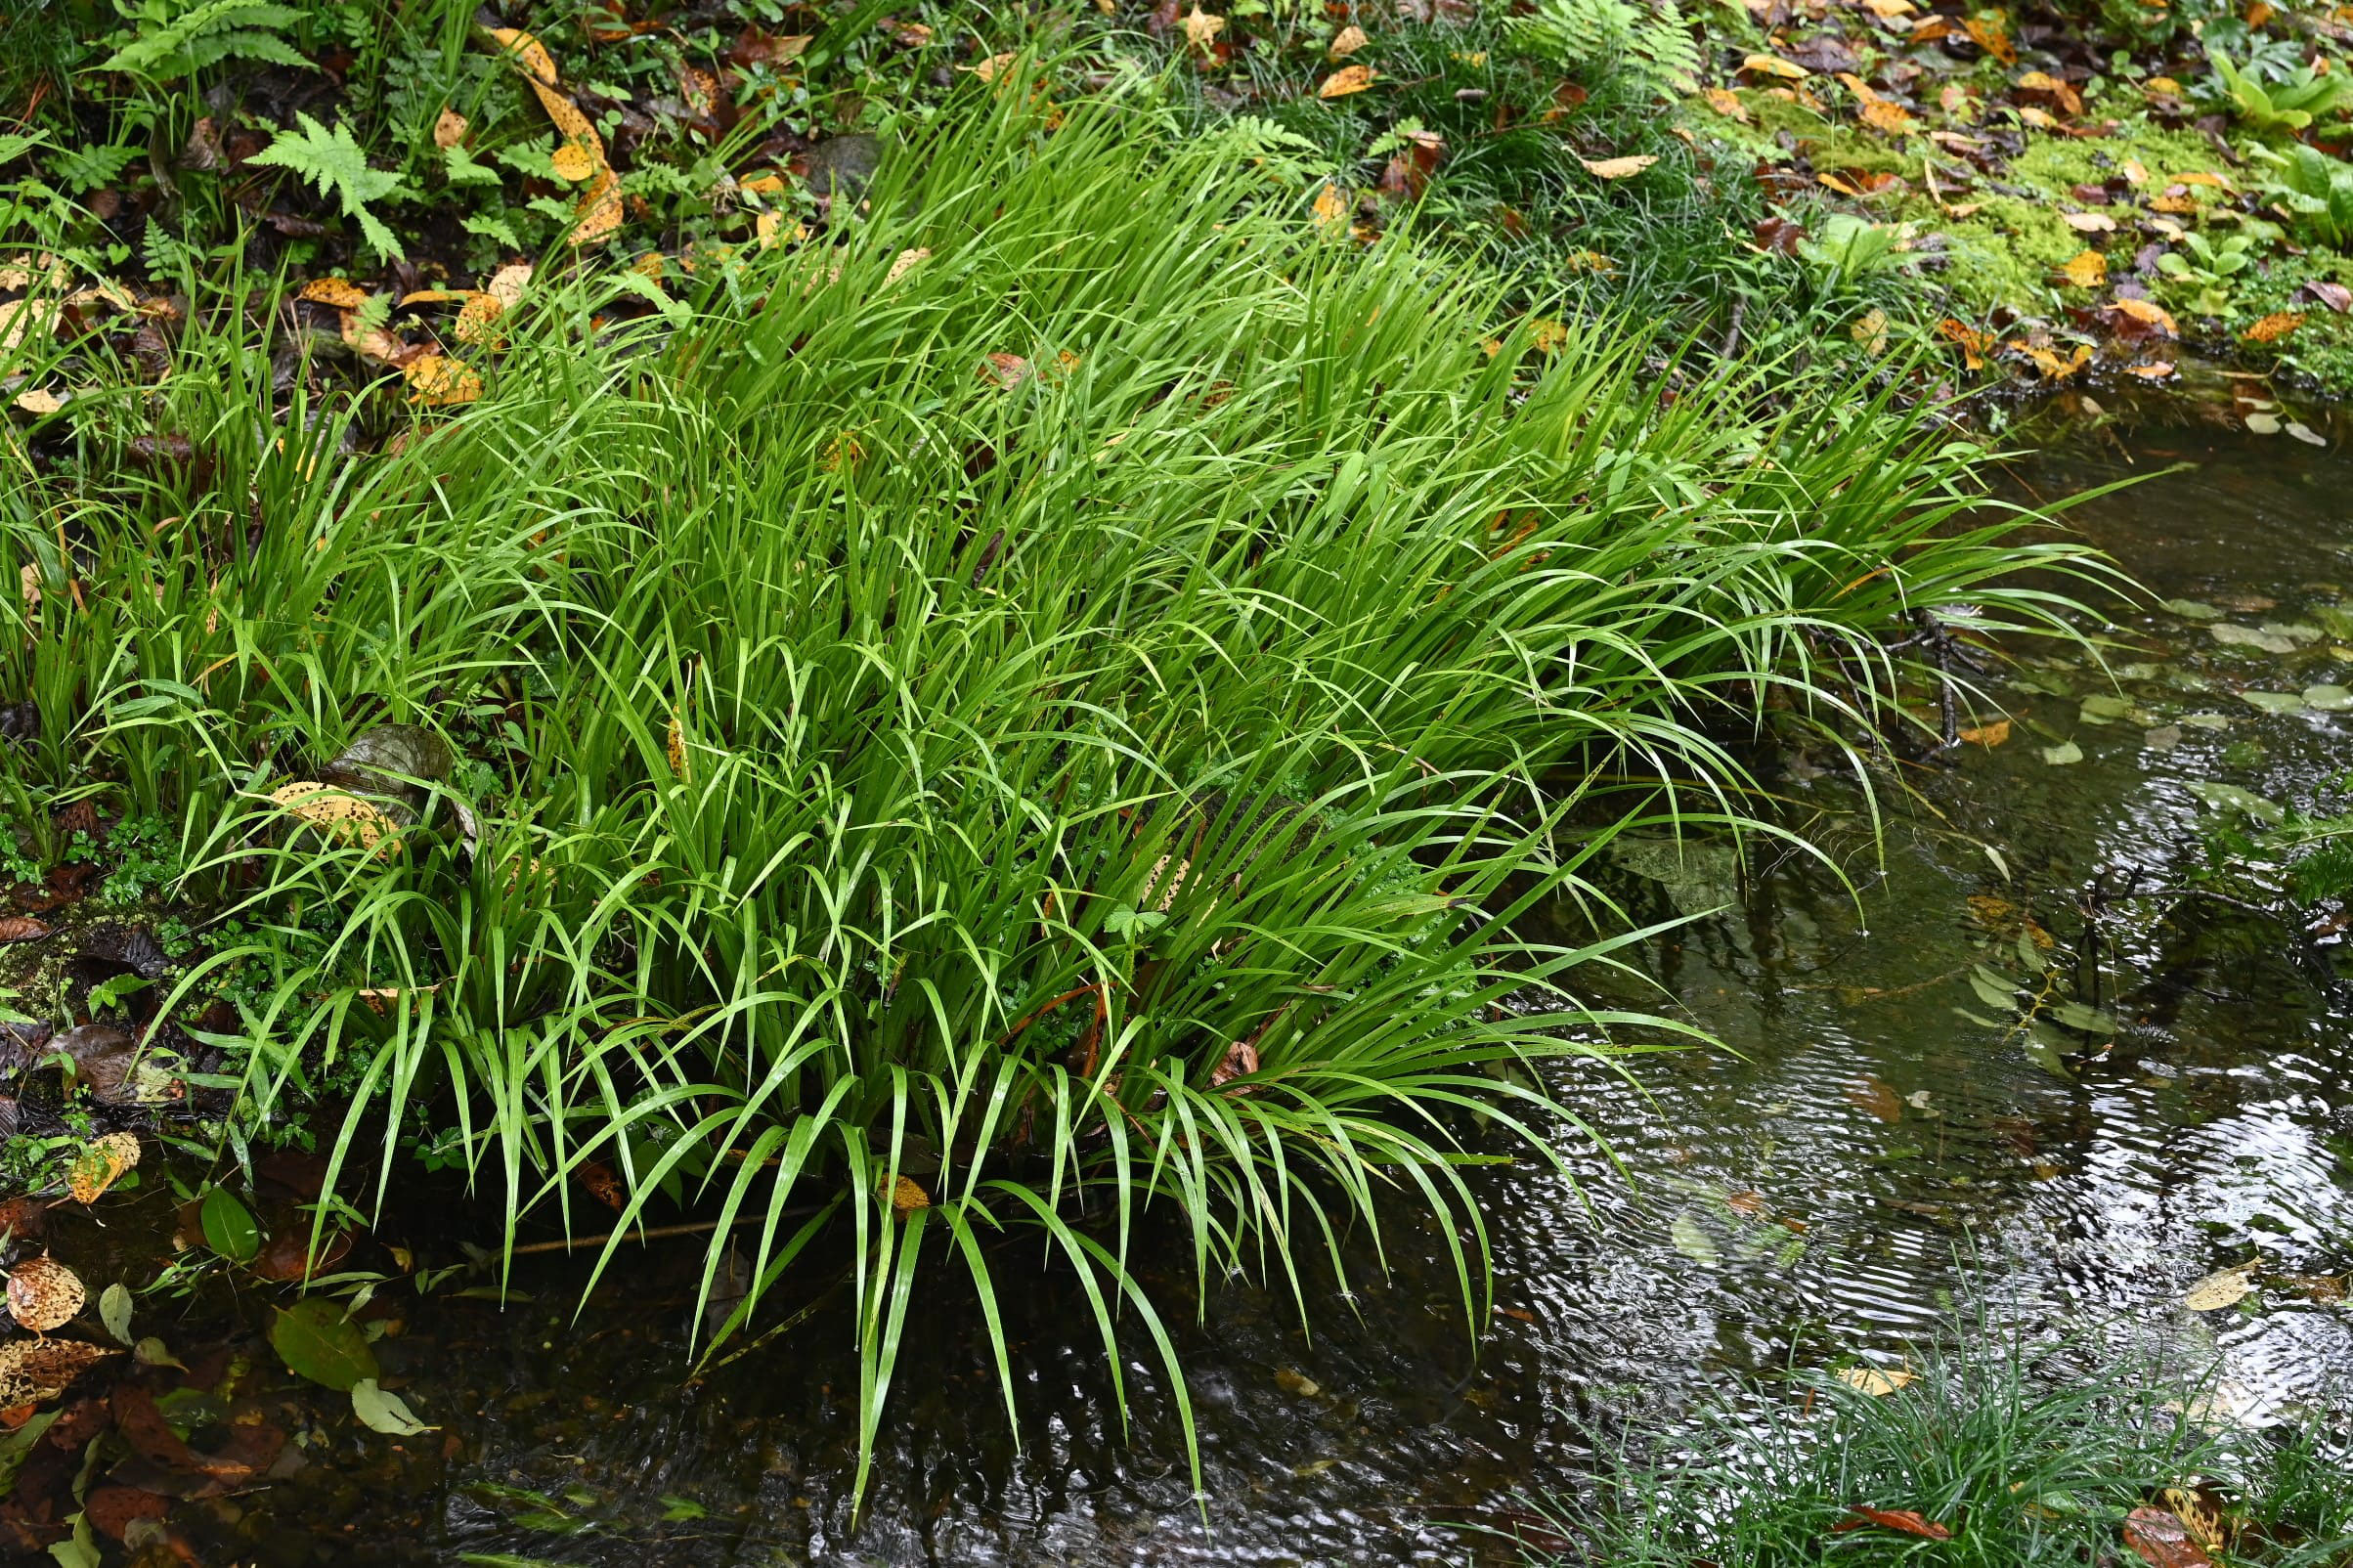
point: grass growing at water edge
(1995, 1453)
(1037, 710)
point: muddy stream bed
(1879, 1143)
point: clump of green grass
(1036, 711)
(1996, 1452)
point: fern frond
(1650, 44)
(169, 46)
(339, 167)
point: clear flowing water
(1879, 1137)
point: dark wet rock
(379, 760)
(843, 166)
(19, 721)
(133, 947)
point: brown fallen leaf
(2153, 370)
(44, 1294)
(37, 1370)
(450, 129)
(1745, 1202)
(1973, 345)
(995, 65)
(1989, 30)
(1903, 1520)
(1726, 103)
(2337, 296)
(1347, 41)
(1887, 116)
(1986, 735)
(1347, 79)
(1201, 27)
(907, 1196)
(1624, 168)
(1005, 371)
(2146, 313)
(21, 929)
(2162, 1540)
(1878, 1097)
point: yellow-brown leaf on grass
(1347, 79)
(1624, 168)
(2089, 222)
(908, 35)
(39, 402)
(2275, 325)
(529, 53)
(574, 163)
(477, 322)
(766, 183)
(1775, 66)
(507, 284)
(1347, 41)
(2135, 172)
(340, 292)
(1986, 735)
(2089, 270)
(437, 380)
(2042, 82)
(599, 210)
(2260, 13)
(907, 1196)
(2206, 177)
(1004, 371)
(1887, 116)
(2153, 370)
(1973, 345)
(1726, 103)
(2175, 199)
(99, 1164)
(2166, 86)
(1332, 210)
(1871, 331)
(450, 129)
(371, 343)
(341, 816)
(770, 230)
(1930, 29)
(995, 65)
(1547, 335)
(905, 262)
(1890, 10)
(674, 747)
(1989, 30)
(2148, 313)
(842, 451)
(1201, 27)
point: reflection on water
(1809, 1194)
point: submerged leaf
(385, 1412)
(2225, 1288)
(317, 1340)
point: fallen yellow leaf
(438, 381)
(1347, 79)
(1886, 116)
(450, 129)
(1347, 41)
(340, 292)
(2089, 222)
(990, 69)
(2089, 270)
(2135, 172)
(507, 284)
(2149, 313)
(2226, 1287)
(1331, 209)
(1201, 27)
(1775, 66)
(573, 164)
(1986, 735)
(1875, 1383)
(39, 402)
(1990, 31)
(1624, 168)
(905, 262)
(1727, 102)
(2278, 324)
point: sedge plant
(1032, 712)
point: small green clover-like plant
(167, 40)
(2218, 261)
(2317, 188)
(339, 167)
(2290, 104)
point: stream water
(1878, 1139)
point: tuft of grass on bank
(1031, 714)
(1992, 1452)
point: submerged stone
(379, 762)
